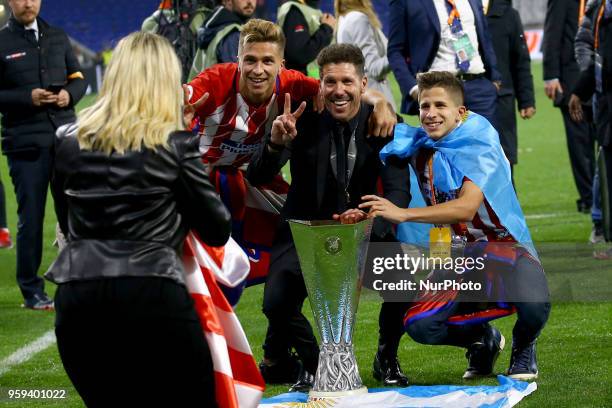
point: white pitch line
(27, 352)
(548, 215)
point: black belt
(469, 77)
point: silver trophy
(332, 257)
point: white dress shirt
(445, 57)
(34, 26)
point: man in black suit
(40, 84)
(445, 35)
(561, 72)
(514, 65)
(333, 164)
(593, 48)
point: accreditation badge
(440, 242)
(464, 50)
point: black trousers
(30, 172)
(506, 125)
(133, 342)
(284, 295)
(581, 148)
(288, 328)
(528, 280)
(603, 122)
(481, 97)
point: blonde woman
(359, 25)
(129, 183)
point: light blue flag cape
(416, 233)
(471, 150)
(507, 394)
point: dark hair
(442, 79)
(339, 53)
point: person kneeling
(333, 163)
(465, 180)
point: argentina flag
(507, 394)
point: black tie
(340, 164)
(30, 35)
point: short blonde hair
(141, 100)
(343, 7)
(257, 30)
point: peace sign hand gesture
(190, 109)
(283, 127)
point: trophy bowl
(332, 258)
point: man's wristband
(275, 146)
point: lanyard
(581, 9)
(598, 22)
(453, 13)
(351, 157)
(431, 184)
(462, 226)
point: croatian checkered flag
(238, 383)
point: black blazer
(310, 164)
(25, 65)
(558, 44)
(511, 50)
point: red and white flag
(238, 382)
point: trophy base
(337, 373)
(321, 395)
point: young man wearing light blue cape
(464, 177)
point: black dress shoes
(304, 382)
(284, 371)
(389, 371)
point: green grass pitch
(574, 350)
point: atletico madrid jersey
(485, 226)
(231, 129)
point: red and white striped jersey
(485, 226)
(231, 129)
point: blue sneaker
(523, 362)
(39, 302)
(483, 354)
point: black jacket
(560, 29)
(301, 48)
(25, 65)
(227, 50)
(310, 168)
(585, 85)
(513, 61)
(127, 215)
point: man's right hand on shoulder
(43, 97)
(284, 126)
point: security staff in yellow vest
(308, 31)
(218, 36)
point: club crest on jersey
(254, 254)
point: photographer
(40, 83)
